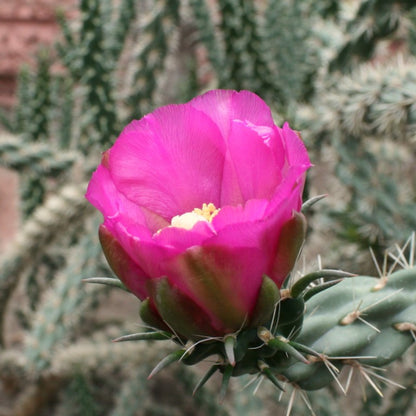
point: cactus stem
(356, 314)
(352, 316)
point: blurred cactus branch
(40, 231)
(375, 20)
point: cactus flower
(200, 202)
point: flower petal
(224, 281)
(129, 272)
(257, 173)
(159, 161)
(224, 106)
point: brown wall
(24, 26)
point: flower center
(189, 219)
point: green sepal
(205, 378)
(145, 336)
(289, 317)
(244, 339)
(169, 359)
(179, 312)
(292, 236)
(149, 316)
(297, 289)
(267, 300)
(200, 352)
(109, 281)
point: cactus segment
(355, 322)
(352, 319)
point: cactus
(359, 113)
(361, 322)
(121, 60)
(374, 21)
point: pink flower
(199, 203)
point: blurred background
(74, 72)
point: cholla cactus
(369, 119)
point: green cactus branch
(39, 158)
(42, 230)
(374, 20)
(375, 101)
(155, 42)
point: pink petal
(128, 271)
(103, 194)
(257, 173)
(181, 238)
(253, 210)
(224, 281)
(224, 106)
(297, 154)
(169, 162)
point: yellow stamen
(208, 211)
(189, 219)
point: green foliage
(117, 61)
(369, 118)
